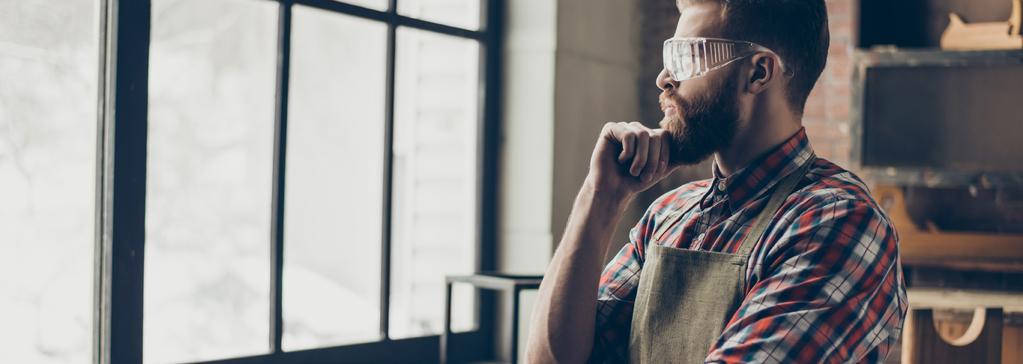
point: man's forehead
(699, 19)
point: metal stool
(512, 284)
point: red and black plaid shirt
(824, 282)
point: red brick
(839, 47)
(838, 69)
(818, 89)
(841, 26)
(815, 108)
(843, 149)
(823, 134)
(816, 104)
(838, 110)
(840, 8)
(837, 90)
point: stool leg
(446, 337)
(514, 325)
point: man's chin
(680, 155)
(672, 124)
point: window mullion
(122, 200)
(280, 151)
(488, 158)
(385, 271)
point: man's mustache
(669, 98)
(672, 98)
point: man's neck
(756, 139)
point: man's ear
(762, 72)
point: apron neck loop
(782, 190)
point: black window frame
(121, 186)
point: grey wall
(570, 66)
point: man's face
(701, 114)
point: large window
(245, 180)
(49, 74)
(334, 186)
(209, 178)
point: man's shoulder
(830, 184)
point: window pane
(434, 196)
(372, 4)
(49, 63)
(211, 121)
(459, 13)
(334, 198)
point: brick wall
(826, 116)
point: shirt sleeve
(617, 292)
(831, 291)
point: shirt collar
(760, 174)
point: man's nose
(664, 82)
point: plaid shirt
(824, 284)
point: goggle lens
(687, 58)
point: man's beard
(708, 122)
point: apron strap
(781, 192)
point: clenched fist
(629, 158)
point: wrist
(606, 198)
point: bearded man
(780, 257)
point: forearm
(564, 314)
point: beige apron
(686, 297)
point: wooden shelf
(997, 252)
(920, 23)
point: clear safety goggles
(688, 58)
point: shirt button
(721, 186)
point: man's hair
(795, 29)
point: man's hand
(629, 158)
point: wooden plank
(914, 244)
(983, 36)
(993, 251)
(975, 264)
(964, 299)
(1012, 343)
